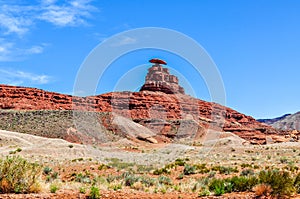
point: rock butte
(161, 99)
(159, 79)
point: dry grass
(262, 190)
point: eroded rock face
(166, 109)
(160, 79)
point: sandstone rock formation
(158, 110)
(160, 105)
(160, 79)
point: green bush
(83, 178)
(94, 193)
(179, 162)
(53, 188)
(297, 183)
(17, 175)
(243, 183)
(147, 181)
(188, 169)
(161, 171)
(82, 190)
(47, 170)
(233, 184)
(164, 180)
(280, 181)
(204, 192)
(217, 186)
(201, 168)
(130, 179)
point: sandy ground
(220, 148)
(43, 149)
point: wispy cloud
(18, 19)
(18, 78)
(15, 19)
(9, 51)
(72, 13)
(124, 40)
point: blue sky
(255, 45)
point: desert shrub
(247, 172)
(280, 181)
(130, 179)
(143, 169)
(110, 178)
(179, 162)
(211, 174)
(283, 160)
(242, 183)
(115, 186)
(54, 175)
(204, 192)
(256, 167)
(94, 193)
(161, 171)
(103, 167)
(262, 190)
(201, 168)
(291, 167)
(163, 190)
(12, 152)
(138, 186)
(164, 180)
(297, 183)
(53, 188)
(170, 166)
(180, 176)
(217, 186)
(83, 178)
(189, 169)
(17, 175)
(47, 170)
(118, 164)
(244, 165)
(82, 190)
(147, 181)
(224, 170)
(233, 184)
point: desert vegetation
(17, 175)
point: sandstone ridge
(142, 107)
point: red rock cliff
(139, 105)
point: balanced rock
(160, 79)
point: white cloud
(19, 19)
(18, 78)
(8, 51)
(61, 16)
(12, 24)
(125, 40)
(15, 19)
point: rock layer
(160, 79)
(161, 109)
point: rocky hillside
(161, 106)
(273, 120)
(290, 122)
(156, 110)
